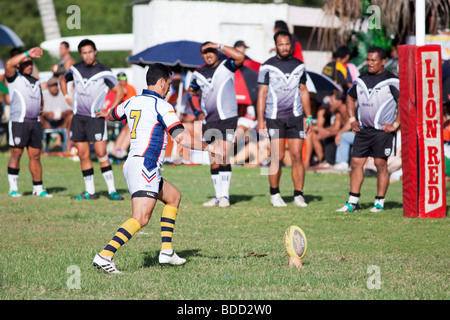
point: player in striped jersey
(374, 125)
(150, 118)
(25, 130)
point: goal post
(421, 117)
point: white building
(159, 21)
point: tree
(395, 17)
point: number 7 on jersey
(136, 115)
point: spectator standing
(296, 47)
(377, 93)
(241, 46)
(122, 142)
(24, 126)
(283, 99)
(91, 80)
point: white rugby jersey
(91, 86)
(283, 78)
(149, 118)
(25, 95)
(377, 96)
(218, 100)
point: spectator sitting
(344, 137)
(330, 120)
(55, 113)
(122, 143)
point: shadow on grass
(235, 198)
(51, 190)
(387, 205)
(122, 192)
(308, 198)
(151, 257)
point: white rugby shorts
(141, 181)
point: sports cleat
(86, 196)
(42, 194)
(214, 202)
(106, 264)
(170, 258)
(350, 207)
(115, 196)
(376, 208)
(14, 194)
(224, 202)
(299, 201)
(277, 201)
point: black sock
(298, 193)
(274, 191)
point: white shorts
(142, 181)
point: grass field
(235, 253)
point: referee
(374, 125)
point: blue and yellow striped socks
(168, 217)
(123, 234)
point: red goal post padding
(421, 113)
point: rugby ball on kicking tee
(295, 242)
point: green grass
(235, 253)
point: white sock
(13, 178)
(109, 179)
(37, 189)
(379, 201)
(217, 185)
(353, 199)
(89, 183)
(225, 180)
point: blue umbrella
(177, 53)
(9, 38)
(322, 83)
